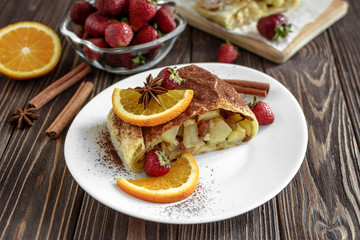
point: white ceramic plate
(232, 181)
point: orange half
(28, 50)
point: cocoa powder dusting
(195, 205)
(108, 155)
(210, 93)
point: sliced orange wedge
(173, 103)
(28, 50)
(179, 183)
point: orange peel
(179, 183)
(173, 103)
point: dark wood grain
(330, 170)
(39, 199)
(344, 40)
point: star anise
(25, 116)
(150, 90)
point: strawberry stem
(125, 20)
(163, 157)
(153, 1)
(175, 76)
(139, 60)
(253, 103)
(282, 31)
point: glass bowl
(123, 60)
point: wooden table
(39, 199)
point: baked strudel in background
(232, 14)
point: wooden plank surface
(39, 199)
(336, 10)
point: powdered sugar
(299, 16)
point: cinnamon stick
(59, 86)
(249, 87)
(70, 110)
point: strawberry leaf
(139, 60)
(125, 20)
(163, 157)
(253, 103)
(175, 76)
(153, 1)
(282, 31)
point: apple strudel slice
(216, 118)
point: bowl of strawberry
(122, 36)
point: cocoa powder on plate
(108, 153)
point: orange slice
(126, 106)
(28, 50)
(179, 183)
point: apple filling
(210, 131)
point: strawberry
(227, 53)
(149, 34)
(171, 79)
(152, 52)
(140, 12)
(80, 10)
(131, 60)
(157, 163)
(109, 7)
(274, 27)
(262, 111)
(146, 34)
(80, 31)
(100, 42)
(118, 34)
(96, 23)
(114, 59)
(86, 35)
(125, 9)
(165, 19)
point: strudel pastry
(234, 13)
(216, 118)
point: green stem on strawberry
(253, 103)
(163, 157)
(153, 1)
(175, 76)
(282, 31)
